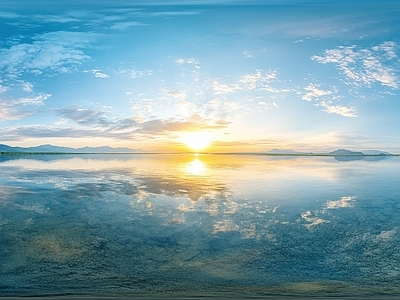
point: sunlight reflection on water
(255, 225)
(196, 167)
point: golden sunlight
(196, 167)
(197, 140)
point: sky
(251, 75)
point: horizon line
(196, 153)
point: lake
(208, 225)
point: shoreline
(197, 153)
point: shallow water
(212, 225)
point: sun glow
(196, 167)
(197, 140)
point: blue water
(212, 225)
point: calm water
(120, 225)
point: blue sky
(304, 75)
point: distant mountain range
(57, 149)
(338, 152)
(345, 152)
(107, 149)
(283, 151)
(364, 152)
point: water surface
(211, 225)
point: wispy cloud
(366, 66)
(259, 81)
(314, 92)
(8, 113)
(194, 123)
(177, 94)
(126, 25)
(133, 72)
(60, 52)
(223, 88)
(174, 13)
(3, 89)
(344, 111)
(21, 107)
(84, 116)
(325, 99)
(97, 73)
(27, 87)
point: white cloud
(176, 94)
(174, 13)
(3, 89)
(229, 106)
(388, 47)
(365, 66)
(20, 108)
(8, 113)
(133, 73)
(125, 25)
(247, 54)
(9, 15)
(38, 100)
(324, 98)
(257, 80)
(182, 61)
(60, 51)
(344, 111)
(314, 92)
(223, 88)
(99, 74)
(27, 87)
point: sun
(196, 140)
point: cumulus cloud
(365, 66)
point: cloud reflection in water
(144, 222)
